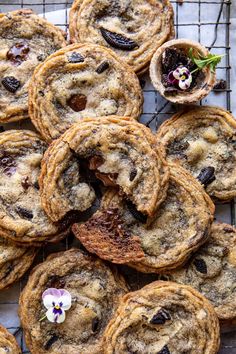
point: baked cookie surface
(14, 262)
(22, 218)
(82, 80)
(25, 40)
(95, 289)
(212, 271)
(163, 318)
(118, 150)
(181, 224)
(203, 140)
(8, 344)
(133, 29)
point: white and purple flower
(56, 301)
(181, 77)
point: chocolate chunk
(160, 317)
(77, 102)
(25, 182)
(36, 185)
(95, 323)
(102, 67)
(220, 85)
(24, 213)
(136, 214)
(164, 350)
(132, 174)
(207, 175)
(76, 58)
(117, 40)
(200, 265)
(51, 341)
(18, 52)
(11, 84)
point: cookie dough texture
(25, 40)
(204, 137)
(163, 317)
(14, 262)
(143, 25)
(212, 271)
(8, 343)
(119, 150)
(95, 289)
(82, 80)
(22, 218)
(180, 226)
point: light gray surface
(187, 13)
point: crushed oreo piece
(76, 58)
(220, 85)
(95, 323)
(160, 317)
(24, 213)
(77, 102)
(207, 175)
(136, 214)
(118, 40)
(102, 67)
(11, 84)
(200, 265)
(132, 174)
(164, 350)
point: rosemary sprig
(211, 60)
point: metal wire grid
(154, 117)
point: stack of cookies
(133, 199)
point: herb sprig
(211, 60)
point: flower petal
(50, 315)
(52, 291)
(61, 318)
(177, 74)
(48, 301)
(65, 301)
(55, 318)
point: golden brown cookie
(25, 40)
(212, 271)
(163, 318)
(14, 262)
(22, 218)
(95, 291)
(176, 76)
(203, 140)
(133, 29)
(120, 152)
(119, 233)
(8, 344)
(82, 80)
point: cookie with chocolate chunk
(78, 81)
(133, 29)
(95, 289)
(119, 233)
(14, 262)
(203, 140)
(8, 342)
(22, 218)
(212, 271)
(119, 151)
(163, 318)
(25, 40)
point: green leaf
(211, 60)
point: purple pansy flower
(56, 301)
(181, 77)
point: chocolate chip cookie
(212, 271)
(25, 40)
(14, 262)
(119, 233)
(203, 140)
(8, 343)
(133, 29)
(95, 290)
(163, 318)
(82, 80)
(22, 218)
(119, 151)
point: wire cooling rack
(206, 21)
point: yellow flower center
(183, 77)
(57, 307)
